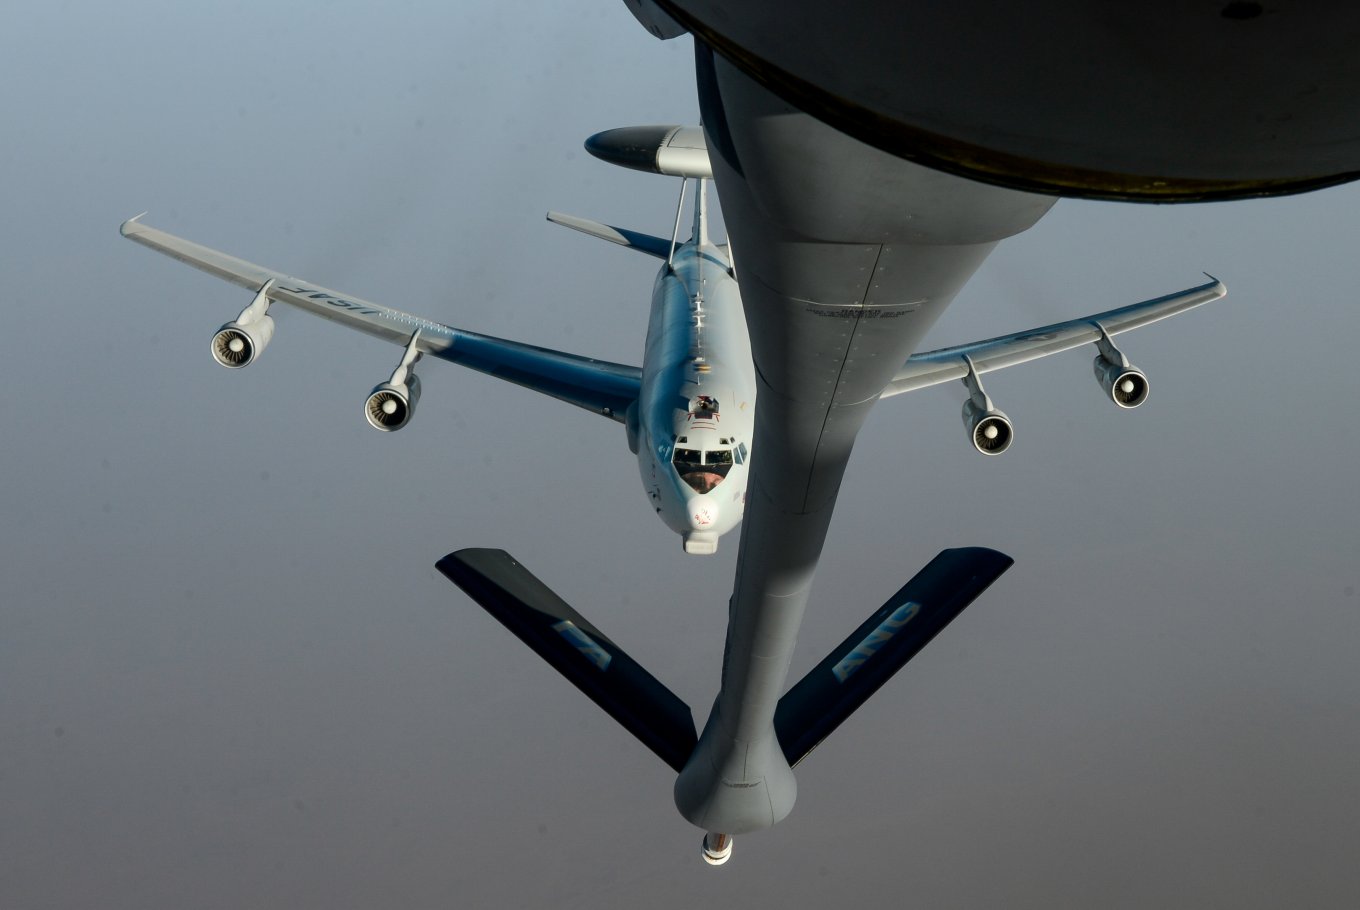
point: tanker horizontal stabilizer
(577, 650)
(893, 635)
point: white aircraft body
(835, 309)
(696, 404)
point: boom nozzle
(717, 848)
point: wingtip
(125, 227)
(1223, 287)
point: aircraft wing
(596, 385)
(934, 367)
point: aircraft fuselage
(845, 269)
(692, 430)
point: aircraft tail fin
(577, 650)
(633, 240)
(895, 633)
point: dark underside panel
(1161, 101)
(882, 645)
(576, 649)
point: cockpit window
(688, 457)
(702, 470)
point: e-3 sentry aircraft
(689, 414)
(687, 410)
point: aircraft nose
(703, 513)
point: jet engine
(240, 341)
(391, 404)
(989, 429)
(1126, 385)
(237, 345)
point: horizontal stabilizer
(577, 650)
(893, 635)
(643, 243)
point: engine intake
(1126, 385)
(240, 341)
(989, 429)
(390, 406)
(237, 345)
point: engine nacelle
(1126, 385)
(237, 344)
(391, 405)
(240, 341)
(989, 430)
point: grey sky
(231, 677)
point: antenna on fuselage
(699, 237)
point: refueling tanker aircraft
(833, 326)
(868, 157)
(690, 415)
